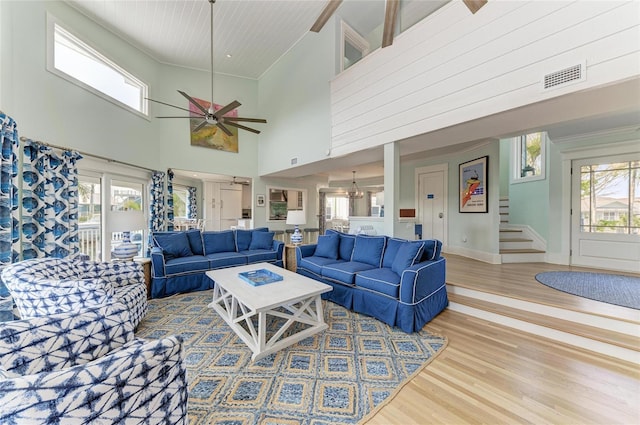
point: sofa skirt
(166, 286)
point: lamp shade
(127, 221)
(296, 217)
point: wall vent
(294, 161)
(570, 75)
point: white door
(432, 202)
(605, 192)
(230, 208)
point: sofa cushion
(226, 259)
(393, 244)
(260, 255)
(382, 280)
(328, 246)
(315, 264)
(193, 263)
(215, 242)
(195, 241)
(261, 240)
(369, 249)
(346, 244)
(432, 249)
(344, 272)
(174, 245)
(408, 254)
(243, 239)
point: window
(528, 157)
(180, 201)
(354, 47)
(337, 207)
(89, 216)
(610, 195)
(72, 59)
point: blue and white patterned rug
(338, 376)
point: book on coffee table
(259, 277)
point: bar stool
(311, 235)
(278, 235)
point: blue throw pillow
(432, 249)
(368, 249)
(328, 246)
(218, 242)
(243, 239)
(408, 254)
(261, 240)
(195, 241)
(390, 252)
(175, 245)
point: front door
(605, 219)
(432, 202)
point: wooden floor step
(521, 251)
(515, 240)
(510, 231)
(603, 335)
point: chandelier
(354, 191)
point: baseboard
(561, 259)
(485, 257)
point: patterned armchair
(87, 368)
(46, 286)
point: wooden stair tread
(510, 231)
(521, 251)
(603, 335)
(516, 240)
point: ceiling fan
(390, 14)
(209, 115)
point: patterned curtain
(156, 204)
(322, 221)
(170, 199)
(49, 202)
(192, 203)
(9, 236)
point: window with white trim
(528, 160)
(77, 62)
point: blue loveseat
(399, 282)
(179, 260)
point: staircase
(518, 244)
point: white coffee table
(238, 302)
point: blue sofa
(179, 260)
(399, 282)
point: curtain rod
(104, 158)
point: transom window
(74, 60)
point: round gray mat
(609, 288)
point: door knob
(440, 215)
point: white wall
(294, 98)
(454, 67)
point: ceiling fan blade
(225, 129)
(177, 117)
(325, 15)
(233, 124)
(474, 5)
(390, 14)
(193, 102)
(199, 126)
(230, 107)
(168, 104)
(260, 120)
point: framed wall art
(474, 186)
(260, 200)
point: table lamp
(296, 217)
(126, 222)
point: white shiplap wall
(454, 67)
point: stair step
(510, 231)
(598, 334)
(515, 240)
(521, 251)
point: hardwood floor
(494, 374)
